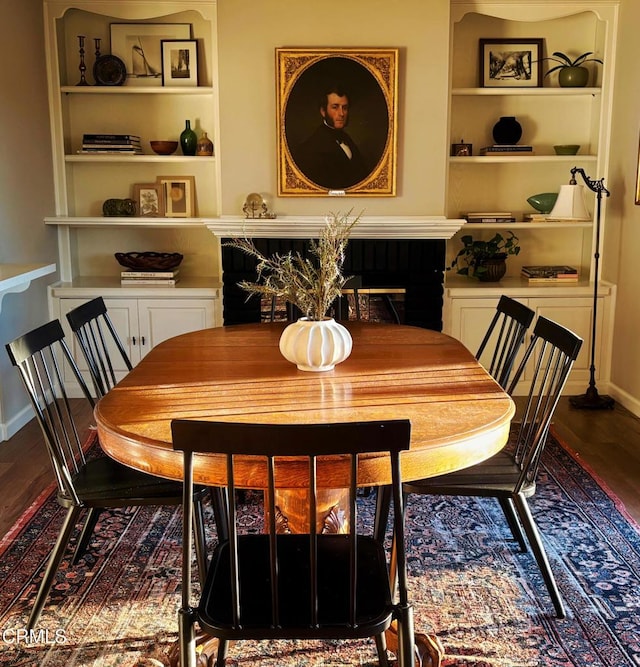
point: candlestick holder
(82, 67)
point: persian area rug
(470, 585)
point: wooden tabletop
(459, 414)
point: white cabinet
(470, 312)
(141, 323)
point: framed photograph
(337, 121)
(179, 194)
(179, 62)
(149, 199)
(138, 45)
(511, 63)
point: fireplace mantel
(368, 227)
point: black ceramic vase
(507, 131)
(188, 140)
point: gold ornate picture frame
(337, 121)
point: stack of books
(489, 216)
(507, 149)
(553, 273)
(140, 278)
(111, 143)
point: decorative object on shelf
(108, 70)
(149, 198)
(591, 399)
(461, 149)
(82, 67)
(311, 284)
(138, 45)
(543, 202)
(507, 62)
(507, 131)
(204, 145)
(164, 147)
(119, 208)
(149, 260)
(324, 158)
(188, 139)
(567, 149)
(571, 72)
(256, 207)
(485, 260)
(179, 196)
(179, 62)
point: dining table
(459, 414)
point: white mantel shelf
(302, 227)
(285, 226)
(18, 277)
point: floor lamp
(570, 204)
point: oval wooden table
(459, 414)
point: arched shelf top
(132, 10)
(531, 12)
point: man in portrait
(329, 157)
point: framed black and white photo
(138, 46)
(337, 121)
(510, 63)
(179, 62)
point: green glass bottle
(188, 140)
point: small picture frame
(510, 63)
(149, 199)
(179, 62)
(179, 194)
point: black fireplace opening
(413, 267)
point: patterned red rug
(470, 585)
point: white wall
(622, 241)
(26, 185)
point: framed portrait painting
(510, 63)
(337, 121)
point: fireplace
(415, 266)
(406, 253)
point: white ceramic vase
(315, 345)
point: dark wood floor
(608, 441)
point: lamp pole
(591, 400)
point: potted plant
(316, 342)
(485, 260)
(571, 72)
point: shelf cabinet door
(160, 319)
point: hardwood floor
(608, 441)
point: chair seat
(497, 476)
(373, 608)
(103, 481)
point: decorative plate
(109, 70)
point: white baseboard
(631, 403)
(10, 428)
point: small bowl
(566, 149)
(543, 202)
(149, 261)
(164, 147)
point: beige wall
(622, 241)
(26, 182)
(249, 33)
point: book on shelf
(138, 275)
(559, 272)
(106, 147)
(489, 216)
(535, 217)
(557, 281)
(110, 138)
(507, 149)
(111, 151)
(170, 282)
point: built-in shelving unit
(549, 115)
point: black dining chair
(295, 586)
(91, 481)
(97, 338)
(510, 475)
(504, 338)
